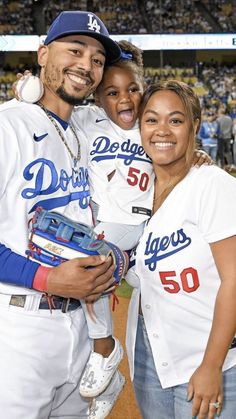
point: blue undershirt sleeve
(16, 269)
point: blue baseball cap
(83, 23)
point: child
(122, 179)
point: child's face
(119, 95)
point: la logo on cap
(93, 24)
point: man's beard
(71, 100)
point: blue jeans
(170, 403)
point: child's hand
(201, 157)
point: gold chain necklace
(169, 185)
(74, 157)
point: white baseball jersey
(178, 277)
(127, 197)
(33, 174)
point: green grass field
(124, 290)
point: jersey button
(147, 306)
(164, 364)
(155, 335)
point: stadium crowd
(171, 18)
(125, 16)
(16, 17)
(224, 12)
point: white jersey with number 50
(178, 277)
(127, 197)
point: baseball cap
(83, 23)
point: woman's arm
(205, 385)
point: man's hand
(82, 278)
(19, 76)
(28, 88)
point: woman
(178, 339)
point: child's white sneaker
(99, 371)
(103, 404)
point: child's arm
(201, 157)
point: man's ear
(43, 55)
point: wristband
(40, 282)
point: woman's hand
(205, 388)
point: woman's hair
(193, 110)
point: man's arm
(70, 279)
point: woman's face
(165, 128)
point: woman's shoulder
(207, 171)
(211, 175)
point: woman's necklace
(157, 197)
(74, 157)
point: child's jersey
(127, 197)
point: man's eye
(98, 62)
(75, 51)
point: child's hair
(131, 52)
(131, 57)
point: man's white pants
(42, 357)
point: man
(209, 133)
(43, 162)
(225, 140)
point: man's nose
(84, 62)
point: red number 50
(189, 281)
(135, 177)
